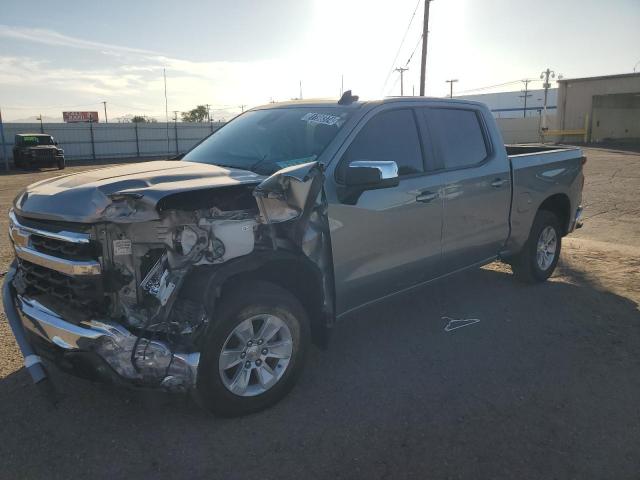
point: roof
(602, 77)
(323, 102)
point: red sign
(71, 117)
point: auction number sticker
(122, 247)
(321, 118)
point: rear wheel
(254, 350)
(539, 256)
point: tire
(19, 162)
(527, 266)
(250, 304)
(61, 164)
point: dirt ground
(545, 385)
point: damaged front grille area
(62, 249)
(84, 294)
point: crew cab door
(477, 194)
(385, 240)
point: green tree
(198, 114)
(142, 119)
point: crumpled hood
(84, 197)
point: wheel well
(560, 206)
(302, 279)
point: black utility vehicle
(37, 150)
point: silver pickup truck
(213, 273)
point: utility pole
(208, 113)
(425, 33)
(341, 85)
(5, 157)
(106, 119)
(175, 127)
(166, 106)
(300, 89)
(546, 85)
(41, 127)
(451, 82)
(242, 107)
(525, 96)
(401, 70)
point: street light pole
(451, 82)
(106, 120)
(546, 85)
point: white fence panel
(87, 141)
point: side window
(459, 136)
(391, 135)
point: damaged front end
(137, 289)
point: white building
(511, 104)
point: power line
(395, 58)
(406, 65)
(488, 87)
(414, 51)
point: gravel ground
(545, 386)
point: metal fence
(94, 141)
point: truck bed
(540, 172)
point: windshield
(34, 140)
(265, 141)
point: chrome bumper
(155, 363)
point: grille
(44, 154)
(82, 293)
(62, 249)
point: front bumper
(106, 349)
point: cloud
(53, 38)
(131, 81)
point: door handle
(498, 182)
(426, 197)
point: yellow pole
(586, 128)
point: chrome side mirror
(371, 175)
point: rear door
(389, 239)
(477, 193)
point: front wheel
(61, 164)
(254, 350)
(539, 256)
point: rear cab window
(458, 135)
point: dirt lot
(545, 386)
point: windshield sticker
(295, 161)
(321, 118)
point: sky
(72, 55)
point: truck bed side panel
(537, 177)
